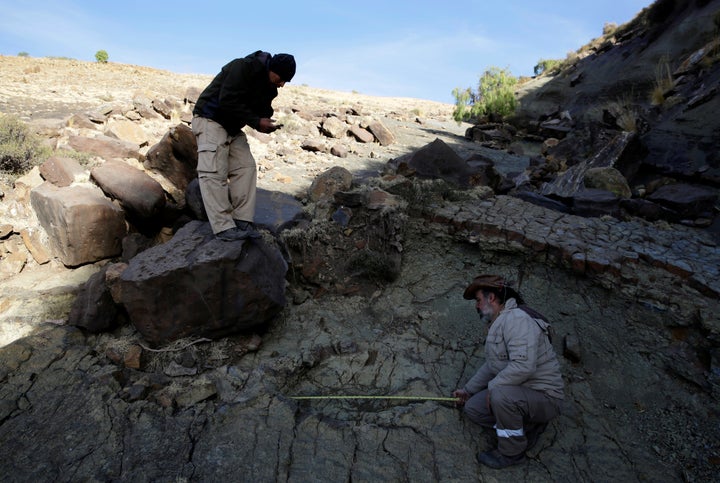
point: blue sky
(418, 48)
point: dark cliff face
(657, 75)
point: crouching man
(519, 388)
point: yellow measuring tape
(407, 398)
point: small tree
(23, 54)
(495, 96)
(102, 56)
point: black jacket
(240, 94)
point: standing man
(240, 95)
(519, 388)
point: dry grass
(664, 82)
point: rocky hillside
(656, 77)
(399, 208)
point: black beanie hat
(283, 65)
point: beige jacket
(518, 353)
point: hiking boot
(232, 234)
(248, 227)
(497, 460)
(533, 434)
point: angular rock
(164, 107)
(688, 201)
(648, 210)
(339, 150)
(82, 121)
(175, 156)
(127, 131)
(94, 308)
(5, 230)
(328, 183)
(567, 184)
(314, 146)
(334, 128)
(12, 264)
(137, 192)
(378, 199)
(277, 211)
(83, 226)
(26, 183)
(361, 134)
(62, 171)
(483, 172)
(434, 160)
(33, 241)
(105, 147)
(144, 107)
(199, 285)
(596, 202)
(381, 133)
(274, 211)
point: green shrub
(20, 149)
(23, 54)
(609, 28)
(547, 66)
(102, 56)
(495, 96)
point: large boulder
(199, 285)
(137, 192)
(436, 160)
(82, 224)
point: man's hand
(268, 125)
(462, 396)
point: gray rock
(274, 210)
(687, 200)
(93, 308)
(197, 284)
(595, 202)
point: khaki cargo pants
(514, 412)
(227, 174)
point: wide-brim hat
(495, 282)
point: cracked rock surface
(69, 413)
